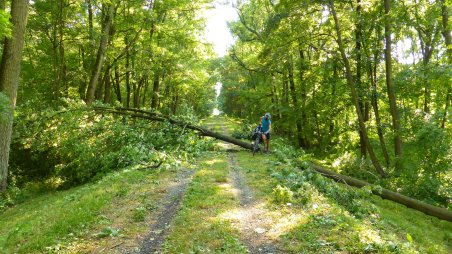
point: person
(266, 129)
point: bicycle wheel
(256, 146)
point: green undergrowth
(199, 226)
(59, 149)
(425, 174)
(334, 217)
(78, 219)
(339, 218)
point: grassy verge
(199, 226)
(86, 218)
(330, 217)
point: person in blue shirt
(266, 128)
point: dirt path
(152, 243)
(250, 217)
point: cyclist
(266, 128)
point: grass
(325, 223)
(390, 228)
(198, 226)
(71, 220)
(319, 216)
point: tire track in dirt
(152, 243)
(250, 218)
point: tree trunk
(446, 107)
(448, 41)
(175, 103)
(118, 85)
(145, 91)
(55, 92)
(427, 52)
(333, 101)
(373, 79)
(155, 90)
(101, 87)
(293, 93)
(83, 84)
(90, 22)
(9, 80)
(137, 113)
(62, 76)
(304, 116)
(94, 80)
(136, 94)
(438, 212)
(359, 85)
(107, 85)
(351, 83)
(390, 87)
(128, 88)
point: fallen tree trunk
(137, 113)
(438, 212)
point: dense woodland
(135, 54)
(105, 106)
(364, 86)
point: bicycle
(257, 135)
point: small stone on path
(259, 230)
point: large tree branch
(243, 21)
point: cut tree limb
(438, 212)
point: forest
(109, 143)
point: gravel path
(251, 219)
(250, 216)
(152, 243)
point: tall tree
(390, 87)
(358, 42)
(9, 79)
(351, 83)
(448, 41)
(293, 93)
(94, 80)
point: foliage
(107, 231)
(327, 216)
(75, 145)
(286, 61)
(5, 25)
(154, 56)
(282, 195)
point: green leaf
(409, 238)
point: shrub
(282, 195)
(78, 146)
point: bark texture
(9, 80)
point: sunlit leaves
(5, 25)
